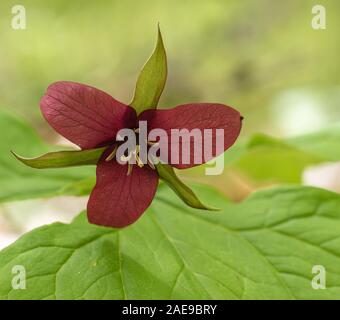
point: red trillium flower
(91, 118)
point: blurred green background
(262, 57)
(259, 56)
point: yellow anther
(129, 169)
(138, 159)
(112, 154)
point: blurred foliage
(248, 54)
(19, 182)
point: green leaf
(324, 143)
(168, 175)
(262, 248)
(62, 159)
(151, 80)
(19, 182)
(79, 188)
(266, 159)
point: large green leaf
(151, 80)
(19, 182)
(263, 248)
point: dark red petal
(117, 199)
(192, 116)
(84, 115)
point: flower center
(132, 156)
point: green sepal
(151, 80)
(62, 159)
(169, 176)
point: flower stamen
(129, 169)
(138, 159)
(112, 154)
